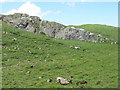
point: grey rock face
(76, 34)
(52, 29)
(22, 21)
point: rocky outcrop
(72, 33)
(52, 29)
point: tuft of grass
(94, 62)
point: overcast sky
(68, 13)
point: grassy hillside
(94, 62)
(0, 55)
(107, 31)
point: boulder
(30, 29)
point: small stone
(49, 80)
(111, 42)
(31, 66)
(39, 77)
(71, 76)
(28, 72)
(14, 39)
(71, 46)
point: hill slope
(94, 62)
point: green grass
(94, 62)
(0, 54)
(105, 30)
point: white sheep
(62, 81)
(59, 78)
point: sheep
(57, 80)
(63, 81)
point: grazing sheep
(63, 81)
(59, 78)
